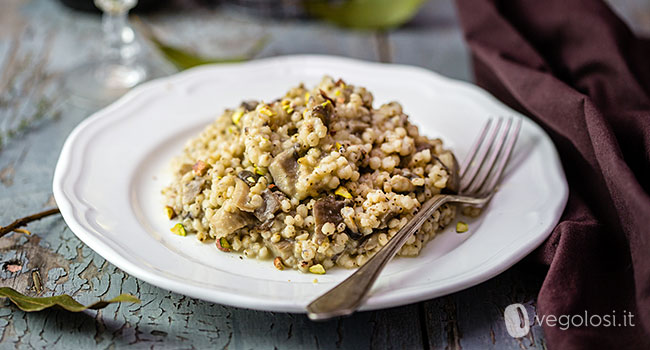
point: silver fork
(479, 176)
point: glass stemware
(120, 67)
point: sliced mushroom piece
(357, 126)
(284, 170)
(240, 196)
(192, 189)
(384, 219)
(282, 248)
(370, 243)
(272, 203)
(224, 222)
(354, 235)
(325, 112)
(324, 95)
(249, 105)
(328, 209)
(448, 160)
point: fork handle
(347, 296)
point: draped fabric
(578, 71)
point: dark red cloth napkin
(576, 69)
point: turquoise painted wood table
(41, 39)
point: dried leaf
(64, 301)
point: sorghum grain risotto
(315, 179)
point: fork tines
(486, 160)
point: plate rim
(69, 212)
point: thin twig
(27, 219)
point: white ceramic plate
(113, 165)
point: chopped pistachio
(337, 93)
(223, 244)
(200, 167)
(236, 117)
(317, 269)
(338, 146)
(179, 229)
(251, 179)
(288, 109)
(307, 96)
(343, 192)
(277, 262)
(266, 111)
(461, 227)
(258, 170)
(169, 211)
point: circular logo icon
(517, 322)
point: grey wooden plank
(394, 328)
(473, 318)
